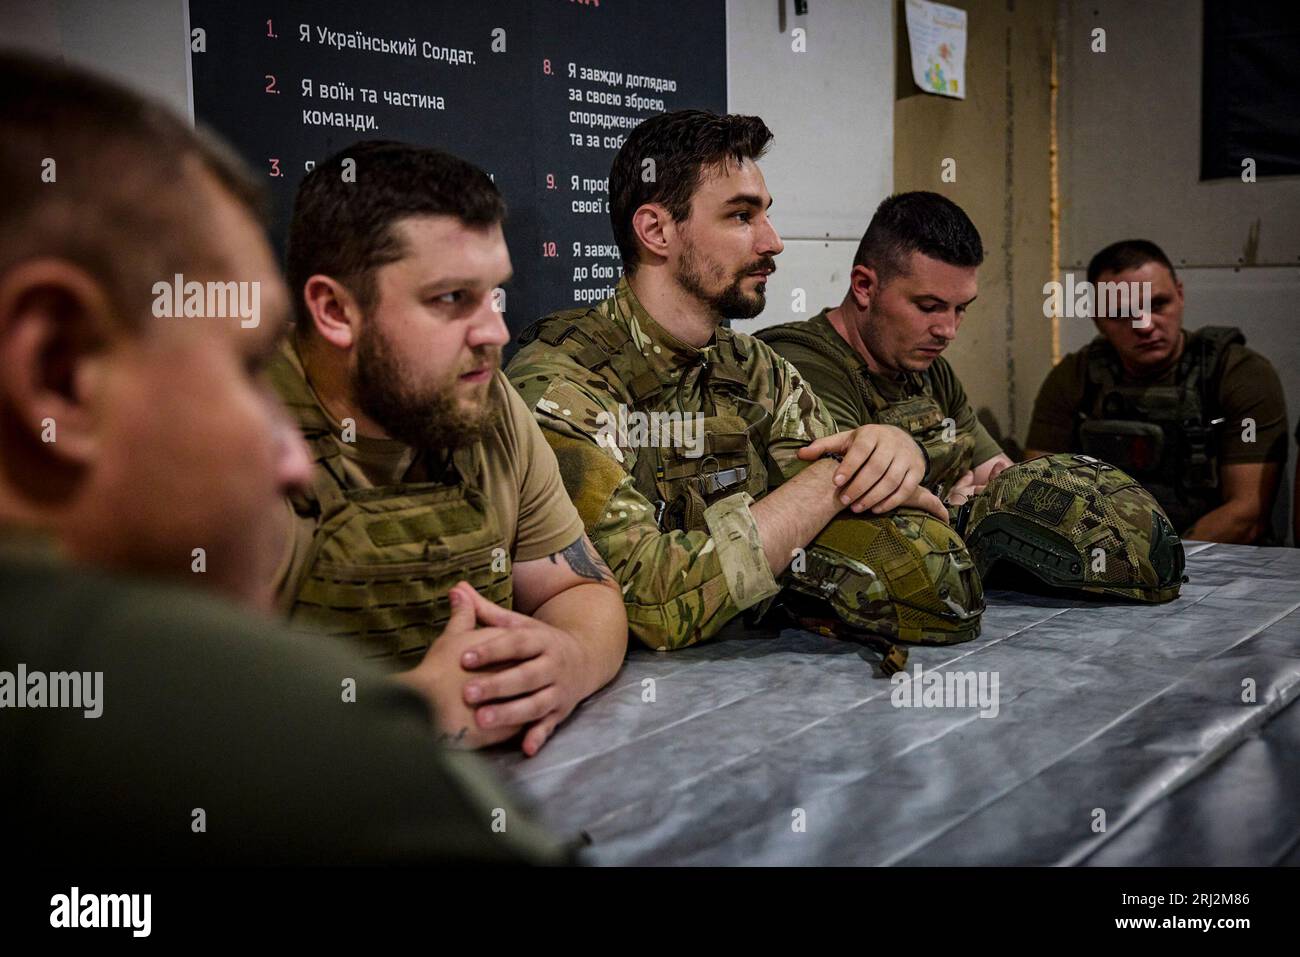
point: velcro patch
(1044, 502)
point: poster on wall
(937, 36)
(540, 94)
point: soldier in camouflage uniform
(697, 458)
(876, 357)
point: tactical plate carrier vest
(1166, 437)
(679, 482)
(382, 560)
(920, 415)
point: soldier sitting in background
(877, 357)
(1197, 418)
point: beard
(432, 417)
(732, 302)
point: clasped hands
(494, 672)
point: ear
(56, 326)
(334, 311)
(655, 228)
(864, 286)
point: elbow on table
(665, 627)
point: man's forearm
(593, 614)
(792, 515)
(1231, 524)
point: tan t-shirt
(1247, 389)
(521, 481)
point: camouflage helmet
(1075, 522)
(906, 576)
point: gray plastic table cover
(1124, 735)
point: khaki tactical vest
(1166, 437)
(950, 454)
(382, 560)
(680, 483)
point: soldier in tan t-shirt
(436, 533)
(1196, 417)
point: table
(1123, 734)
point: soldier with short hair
(696, 518)
(877, 356)
(143, 466)
(1196, 417)
(435, 508)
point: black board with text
(539, 93)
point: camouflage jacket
(675, 582)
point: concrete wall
(1130, 126)
(999, 137)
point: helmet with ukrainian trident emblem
(1075, 522)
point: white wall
(1130, 126)
(143, 43)
(831, 110)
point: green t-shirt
(831, 381)
(1248, 389)
(210, 716)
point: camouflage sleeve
(830, 382)
(798, 418)
(674, 585)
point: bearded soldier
(696, 528)
(435, 507)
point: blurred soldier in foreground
(143, 722)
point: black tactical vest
(382, 560)
(1167, 437)
(680, 482)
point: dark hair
(918, 222)
(681, 144)
(1125, 255)
(122, 200)
(342, 225)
